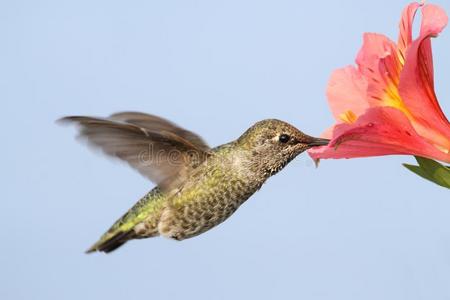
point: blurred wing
(158, 124)
(158, 149)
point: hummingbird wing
(157, 148)
(155, 123)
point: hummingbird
(197, 187)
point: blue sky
(352, 229)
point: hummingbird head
(274, 143)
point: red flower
(387, 104)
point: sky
(351, 229)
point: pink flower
(387, 104)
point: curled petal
(406, 26)
(434, 19)
(416, 80)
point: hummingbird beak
(314, 142)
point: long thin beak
(318, 142)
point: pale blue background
(358, 229)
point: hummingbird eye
(284, 138)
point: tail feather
(110, 244)
(149, 207)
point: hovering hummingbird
(198, 187)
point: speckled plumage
(213, 188)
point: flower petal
(406, 26)
(416, 80)
(434, 19)
(379, 62)
(346, 92)
(380, 131)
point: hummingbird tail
(109, 244)
(137, 223)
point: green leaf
(432, 171)
(435, 169)
(418, 171)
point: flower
(387, 104)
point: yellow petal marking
(348, 117)
(392, 98)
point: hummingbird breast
(213, 194)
